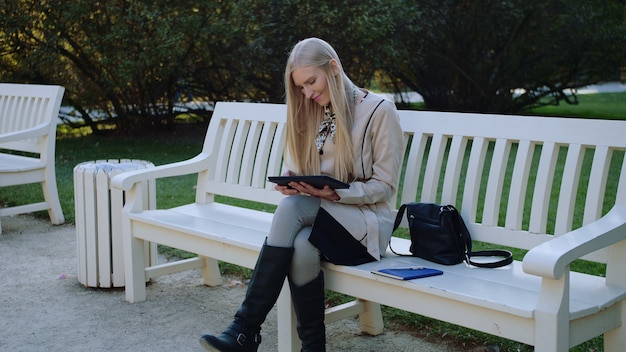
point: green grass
(604, 106)
(170, 147)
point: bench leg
(370, 315)
(288, 340)
(615, 340)
(134, 266)
(51, 196)
(552, 316)
(211, 275)
(372, 318)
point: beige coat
(364, 209)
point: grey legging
(291, 227)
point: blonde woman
(334, 128)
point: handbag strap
(507, 256)
(399, 216)
(396, 224)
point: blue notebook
(407, 273)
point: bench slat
(473, 179)
(543, 187)
(597, 183)
(569, 185)
(495, 182)
(453, 170)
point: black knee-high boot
(243, 334)
(308, 302)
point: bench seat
(217, 231)
(495, 301)
(508, 289)
(235, 235)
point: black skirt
(335, 243)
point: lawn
(187, 142)
(605, 105)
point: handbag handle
(507, 256)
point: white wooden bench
(28, 121)
(534, 183)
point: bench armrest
(33, 132)
(126, 180)
(551, 258)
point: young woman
(333, 128)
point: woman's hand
(288, 191)
(305, 188)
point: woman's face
(313, 82)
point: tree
(128, 60)
(477, 55)
(270, 28)
(131, 63)
(138, 65)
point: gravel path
(43, 307)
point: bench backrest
(517, 180)
(245, 143)
(28, 106)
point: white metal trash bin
(98, 221)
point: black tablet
(317, 181)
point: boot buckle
(241, 339)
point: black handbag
(438, 234)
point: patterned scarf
(327, 127)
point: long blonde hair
(305, 116)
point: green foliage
(137, 65)
(473, 55)
(270, 28)
(129, 60)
